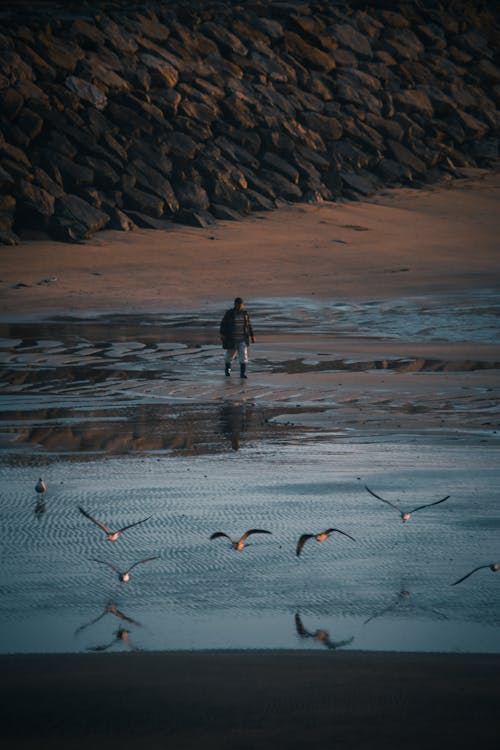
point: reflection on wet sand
(122, 635)
(109, 609)
(40, 508)
(235, 419)
(321, 636)
(404, 597)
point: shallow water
(390, 589)
(130, 417)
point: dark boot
(242, 371)
(228, 369)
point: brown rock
(317, 58)
(161, 71)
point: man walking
(236, 333)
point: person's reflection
(122, 635)
(404, 597)
(110, 609)
(321, 636)
(233, 418)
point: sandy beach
(403, 242)
(377, 332)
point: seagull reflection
(40, 507)
(402, 597)
(40, 486)
(321, 537)
(109, 609)
(495, 567)
(124, 577)
(319, 635)
(122, 635)
(111, 536)
(405, 514)
(240, 543)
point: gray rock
(144, 202)
(193, 218)
(75, 220)
(87, 91)
(348, 36)
(193, 196)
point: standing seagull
(240, 543)
(495, 567)
(405, 514)
(321, 537)
(111, 536)
(40, 486)
(125, 577)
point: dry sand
(443, 239)
(403, 242)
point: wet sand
(406, 243)
(251, 700)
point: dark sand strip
(251, 700)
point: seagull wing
(139, 562)
(218, 534)
(330, 531)
(119, 614)
(383, 499)
(253, 531)
(469, 574)
(302, 540)
(130, 525)
(94, 520)
(429, 504)
(337, 644)
(300, 628)
(110, 565)
(92, 622)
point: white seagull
(124, 577)
(40, 486)
(240, 543)
(111, 536)
(405, 514)
(321, 537)
(495, 567)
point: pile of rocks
(120, 115)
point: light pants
(240, 351)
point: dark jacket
(227, 328)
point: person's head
(238, 303)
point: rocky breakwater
(115, 114)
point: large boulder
(75, 220)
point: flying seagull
(124, 577)
(495, 567)
(319, 635)
(240, 543)
(111, 536)
(321, 537)
(40, 486)
(405, 514)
